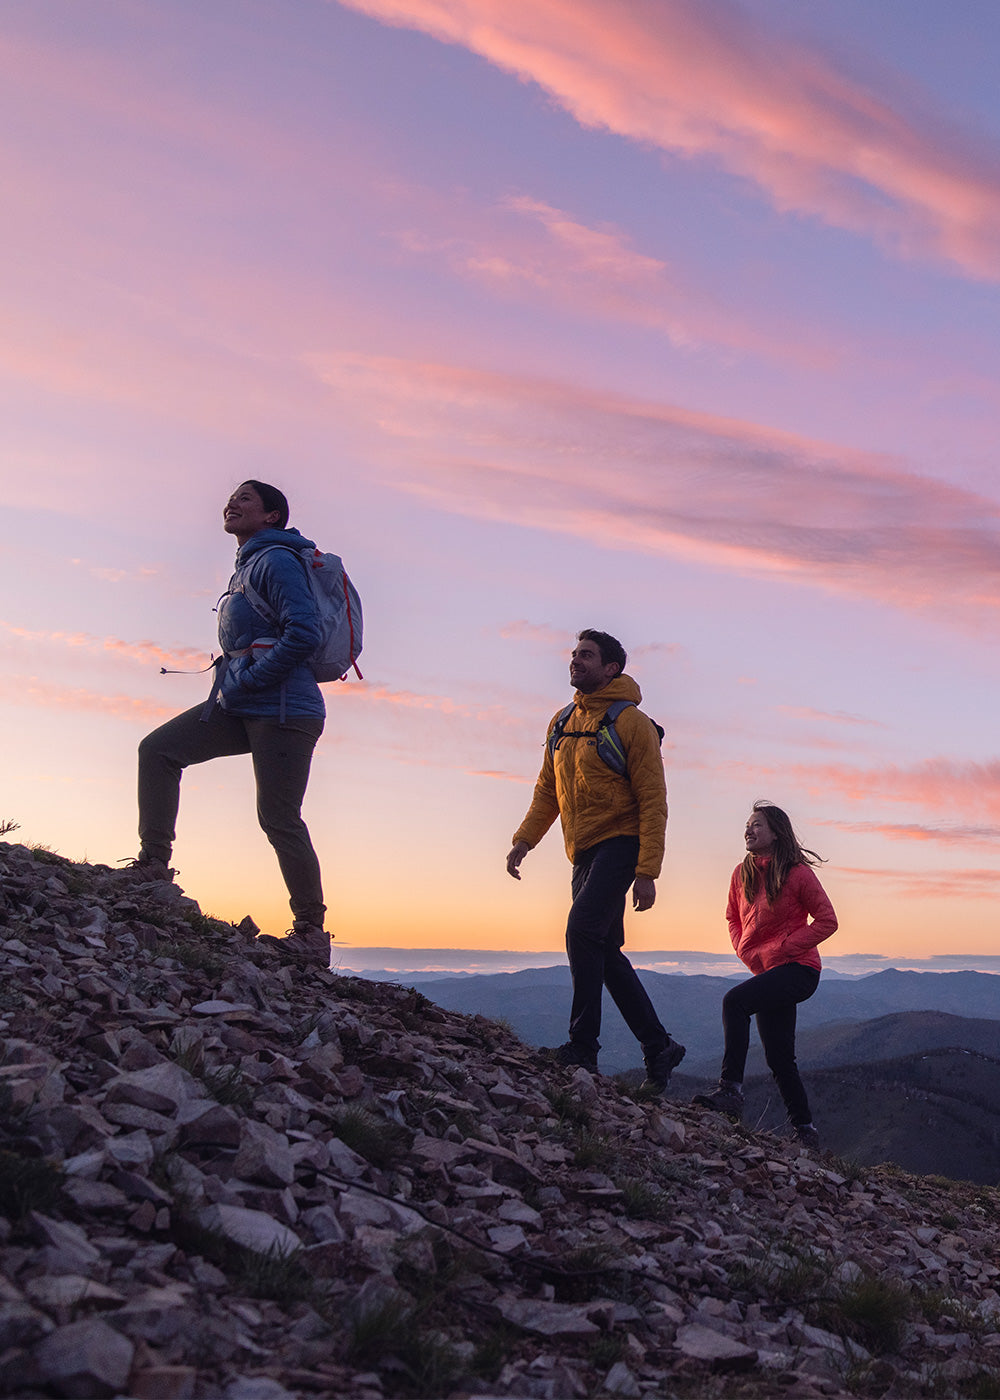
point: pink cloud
(938, 884)
(537, 633)
(983, 837)
(826, 716)
(635, 474)
(938, 785)
(148, 653)
(29, 690)
(534, 251)
(701, 79)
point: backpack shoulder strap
(556, 732)
(253, 596)
(614, 710)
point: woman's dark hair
(785, 853)
(611, 649)
(272, 499)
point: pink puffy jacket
(769, 935)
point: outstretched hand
(517, 853)
(643, 893)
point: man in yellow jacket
(614, 824)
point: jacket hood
(264, 538)
(621, 688)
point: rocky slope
(224, 1175)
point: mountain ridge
(223, 1174)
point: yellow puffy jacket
(591, 800)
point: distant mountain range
(900, 1066)
(535, 1002)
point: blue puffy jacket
(252, 684)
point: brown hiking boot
(144, 870)
(307, 943)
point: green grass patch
(378, 1140)
(27, 1184)
(393, 1337)
(643, 1201)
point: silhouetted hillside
(935, 1112)
(885, 1038)
(535, 1003)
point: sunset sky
(676, 318)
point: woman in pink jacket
(778, 912)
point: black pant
(595, 933)
(772, 997)
(281, 758)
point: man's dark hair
(272, 499)
(611, 649)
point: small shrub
(568, 1108)
(983, 1384)
(592, 1271)
(792, 1273)
(605, 1350)
(191, 1057)
(645, 1202)
(392, 1332)
(935, 1304)
(278, 1274)
(875, 1309)
(46, 854)
(376, 1139)
(227, 1085)
(26, 1184)
(593, 1150)
(6, 827)
(198, 957)
(493, 1351)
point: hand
(643, 893)
(517, 853)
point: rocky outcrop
(222, 1174)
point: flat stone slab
(252, 1229)
(721, 1352)
(546, 1319)
(85, 1358)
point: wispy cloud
(525, 248)
(147, 653)
(938, 785)
(827, 716)
(704, 79)
(635, 474)
(941, 884)
(29, 690)
(538, 633)
(981, 837)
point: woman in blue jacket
(265, 702)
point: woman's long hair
(785, 853)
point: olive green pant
(281, 755)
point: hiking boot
(145, 869)
(660, 1066)
(727, 1099)
(569, 1055)
(307, 943)
(807, 1135)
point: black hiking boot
(807, 1135)
(660, 1066)
(727, 1099)
(570, 1055)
